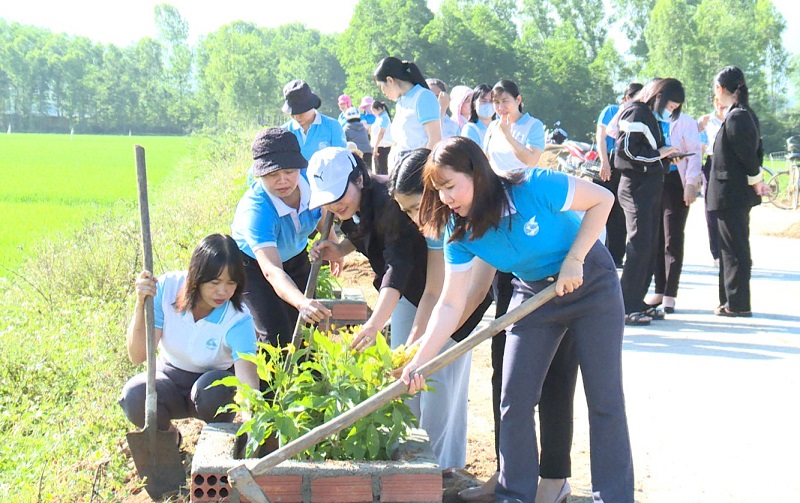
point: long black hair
(212, 255)
(381, 105)
(407, 175)
(731, 79)
(399, 70)
(479, 92)
(661, 93)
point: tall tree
(381, 28)
(173, 35)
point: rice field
(51, 183)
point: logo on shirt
(531, 227)
(323, 144)
(211, 344)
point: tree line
(560, 52)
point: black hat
(299, 98)
(275, 148)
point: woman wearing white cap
(374, 225)
(271, 227)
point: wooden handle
(149, 315)
(242, 479)
(311, 285)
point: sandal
(637, 319)
(654, 313)
(724, 311)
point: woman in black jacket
(640, 148)
(735, 186)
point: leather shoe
(564, 491)
(484, 492)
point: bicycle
(785, 185)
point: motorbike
(556, 136)
(580, 159)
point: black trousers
(616, 233)
(380, 164)
(558, 393)
(273, 317)
(640, 197)
(711, 220)
(734, 260)
(669, 254)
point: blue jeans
(594, 315)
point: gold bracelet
(576, 259)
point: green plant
(327, 284)
(325, 379)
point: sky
(122, 23)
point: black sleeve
(404, 248)
(743, 138)
(634, 138)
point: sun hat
(365, 102)
(275, 148)
(345, 99)
(328, 174)
(351, 113)
(299, 98)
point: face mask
(665, 116)
(485, 110)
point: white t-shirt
(527, 130)
(210, 343)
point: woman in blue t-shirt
(481, 114)
(529, 226)
(271, 227)
(416, 120)
(202, 329)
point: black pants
(558, 393)
(180, 393)
(669, 254)
(734, 261)
(616, 233)
(380, 164)
(711, 220)
(640, 197)
(273, 317)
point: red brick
(410, 487)
(346, 489)
(282, 488)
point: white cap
(328, 172)
(351, 113)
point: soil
(765, 219)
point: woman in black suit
(735, 186)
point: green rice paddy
(52, 183)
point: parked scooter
(580, 159)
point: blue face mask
(665, 116)
(485, 110)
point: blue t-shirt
(606, 115)
(414, 109)
(542, 230)
(262, 220)
(323, 132)
(475, 131)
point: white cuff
(752, 180)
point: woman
(344, 103)
(460, 105)
(681, 184)
(481, 114)
(313, 130)
(202, 329)
(529, 228)
(381, 137)
(416, 121)
(444, 420)
(735, 186)
(515, 140)
(709, 126)
(640, 148)
(374, 225)
(271, 226)
(356, 132)
(514, 143)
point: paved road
(714, 403)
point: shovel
(155, 453)
(243, 480)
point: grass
(51, 183)
(62, 354)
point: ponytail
(732, 80)
(399, 70)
